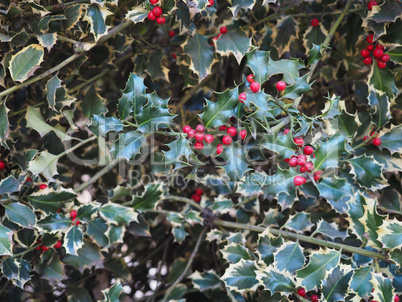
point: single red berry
(223, 30)
(199, 136)
(299, 141)
(315, 22)
(198, 145)
(298, 181)
(38, 247)
(223, 127)
(153, 2)
(286, 131)
(174, 56)
(368, 61)
(211, 2)
(200, 128)
(385, 58)
(302, 169)
(186, 128)
(73, 214)
(309, 167)
(43, 186)
(242, 97)
(314, 298)
(226, 140)
(381, 64)
(365, 138)
(191, 133)
(219, 149)
(308, 150)
(371, 4)
(302, 156)
(281, 85)
(286, 160)
(196, 198)
(199, 191)
(243, 134)
(301, 161)
(161, 20)
(29, 179)
(232, 131)
(293, 162)
(58, 244)
(75, 221)
(370, 38)
(151, 16)
(365, 53)
(317, 175)
(378, 53)
(209, 138)
(250, 78)
(396, 299)
(58, 211)
(171, 33)
(255, 87)
(370, 47)
(44, 248)
(374, 134)
(377, 142)
(379, 46)
(157, 11)
(2, 165)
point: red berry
(370, 47)
(381, 65)
(219, 149)
(223, 128)
(211, 2)
(43, 186)
(73, 214)
(368, 61)
(198, 145)
(38, 247)
(199, 191)
(161, 20)
(196, 198)
(75, 221)
(171, 33)
(58, 211)
(232, 131)
(302, 169)
(314, 298)
(153, 2)
(365, 138)
(191, 133)
(209, 138)
(281, 85)
(58, 244)
(255, 87)
(174, 56)
(293, 162)
(298, 141)
(186, 128)
(243, 134)
(365, 53)
(298, 181)
(377, 142)
(157, 11)
(378, 53)
(2, 165)
(44, 248)
(301, 161)
(29, 179)
(250, 78)
(385, 58)
(242, 97)
(370, 38)
(396, 299)
(226, 140)
(200, 128)
(199, 136)
(286, 160)
(302, 156)
(315, 22)
(317, 175)
(370, 5)
(223, 30)
(151, 16)
(379, 46)
(309, 167)
(286, 131)
(308, 150)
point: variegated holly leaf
(138, 14)
(276, 281)
(281, 181)
(128, 145)
(392, 140)
(112, 293)
(257, 61)
(289, 257)
(361, 281)
(395, 54)
(383, 290)
(96, 17)
(237, 5)
(241, 276)
(148, 200)
(381, 109)
(235, 42)
(371, 221)
(280, 143)
(222, 205)
(45, 163)
(336, 285)
(73, 240)
(96, 229)
(383, 81)
(300, 222)
(118, 214)
(48, 40)
(390, 234)
(328, 153)
(233, 253)
(154, 118)
(93, 103)
(73, 15)
(132, 99)
(355, 212)
(87, 257)
(200, 53)
(54, 222)
(388, 11)
(284, 32)
(5, 242)
(236, 161)
(24, 63)
(52, 270)
(20, 214)
(50, 201)
(330, 230)
(336, 191)
(367, 172)
(207, 280)
(178, 148)
(9, 185)
(17, 270)
(314, 35)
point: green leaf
(281, 181)
(149, 199)
(280, 143)
(313, 36)
(285, 29)
(237, 5)
(264, 109)
(328, 153)
(156, 69)
(9, 185)
(236, 161)
(337, 191)
(389, 201)
(265, 249)
(345, 123)
(132, 99)
(336, 285)
(218, 113)
(43, 24)
(115, 233)
(289, 257)
(241, 276)
(235, 42)
(86, 212)
(395, 54)
(45, 163)
(50, 201)
(87, 257)
(233, 253)
(52, 270)
(5, 243)
(388, 11)
(128, 145)
(178, 148)
(48, 40)
(73, 240)
(51, 87)
(118, 214)
(383, 291)
(371, 221)
(392, 140)
(200, 53)
(16, 270)
(367, 172)
(276, 281)
(355, 212)
(207, 280)
(299, 222)
(314, 55)
(4, 124)
(138, 14)
(383, 81)
(257, 61)
(101, 125)
(92, 103)
(381, 114)
(299, 88)
(24, 63)
(20, 214)
(154, 118)
(289, 69)
(390, 234)
(96, 229)
(361, 281)
(96, 17)
(330, 230)
(222, 205)
(179, 233)
(73, 15)
(54, 222)
(320, 263)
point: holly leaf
(50, 201)
(289, 257)
(237, 5)
(336, 191)
(204, 281)
(314, 55)
(257, 61)
(390, 234)
(48, 40)
(200, 53)
(276, 281)
(54, 222)
(17, 270)
(4, 123)
(138, 14)
(51, 88)
(241, 276)
(314, 36)
(178, 148)
(330, 230)
(154, 118)
(281, 144)
(392, 140)
(299, 88)
(388, 11)
(283, 32)
(264, 109)
(281, 181)
(5, 242)
(320, 263)
(233, 253)
(20, 214)
(96, 229)
(328, 153)
(128, 145)
(367, 172)
(361, 281)
(383, 290)
(96, 17)
(132, 99)
(73, 240)
(86, 212)
(152, 195)
(52, 270)
(371, 221)
(235, 42)
(299, 222)
(45, 163)
(383, 81)
(381, 113)
(73, 15)
(112, 293)
(24, 63)
(9, 185)
(236, 161)
(118, 214)
(87, 257)
(395, 54)
(336, 285)
(92, 103)
(101, 125)
(289, 69)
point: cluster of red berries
(371, 4)
(44, 248)
(223, 30)
(73, 215)
(254, 86)
(302, 292)
(374, 140)
(2, 165)
(378, 53)
(301, 161)
(197, 195)
(156, 13)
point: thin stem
(183, 199)
(280, 125)
(245, 201)
(189, 263)
(89, 81)
(308, 239)
(77, 146)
